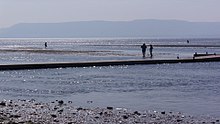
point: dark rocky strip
(163, 45)
(60, 112)
(214, 58)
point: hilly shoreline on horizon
(136, 28)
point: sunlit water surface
(192, 88)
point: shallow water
(32, 50)
(192, 88)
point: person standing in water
(45, 44)
(151, 51)
(144, 47)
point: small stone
(56, 120)
(32, 100)
(110, 108)
(60, 102)
(178, 120)
(55, 108)
(101, 113)
(53, 115)
(137, 113)
(163, 112)
(96, 117)
(153, 116)
(37, 104)
(15, 116)
(78, 109)
(2, 103)
(125, 116)
(60, 111)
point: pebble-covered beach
(64, 112)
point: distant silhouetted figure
(45, 44)
(151, 51)
(144, 47)
(178, 57)
(187, 41)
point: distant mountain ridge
(136, 28)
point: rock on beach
(60, 112)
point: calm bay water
(192, 88)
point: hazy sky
(17, 11)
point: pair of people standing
(144, 47)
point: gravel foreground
(60, 112)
